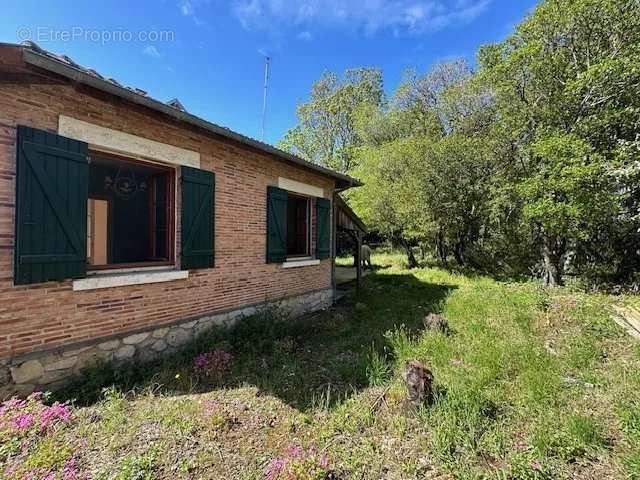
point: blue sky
(210, 53)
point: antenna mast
(267, 61)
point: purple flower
(294, 451)
(216, 363)
(275, 468)
(23, 421)
(12, 404)
(70, 471)
(37, 396)
(297, 464)
(58, 412)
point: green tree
(326, 132)
(565, 85)
(390, 198)
(425, 166)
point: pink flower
(70, 471)
(23, 421)
(12, 404)
(297, 464)
(209, 407)
(58, 412)
(294, 451)
(216, 363)
(37, 395)
(275, 468)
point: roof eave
(41, 61)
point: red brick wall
(39, 317)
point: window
(298, 226)
(78, 210)
(129, 213)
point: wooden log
(419, 384)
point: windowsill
(139, 269)
(300, 262)
(109, 279)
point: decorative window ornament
(124, 185)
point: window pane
(297, 226)
(134, 223)
(159, 229)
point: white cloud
(397, 16)
(151, 51)
(305, 36)
(186, 8)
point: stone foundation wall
(49, 370)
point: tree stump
(419, 383)
(436, 323)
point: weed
(299, 464)
(459, 421)
(378, 368)
(577, 437)
(632, 464)
(138, 467)
(628, 413)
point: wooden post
(358, 257)
(334, 240)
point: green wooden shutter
(323, 228)
(276, 224)
(197, 218)
(52, 177)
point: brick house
(128, 225)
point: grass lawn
(530, 383)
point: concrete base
(51, 369)
(348, 274)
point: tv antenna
(267, 62)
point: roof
(64, 66)
(347, 218)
